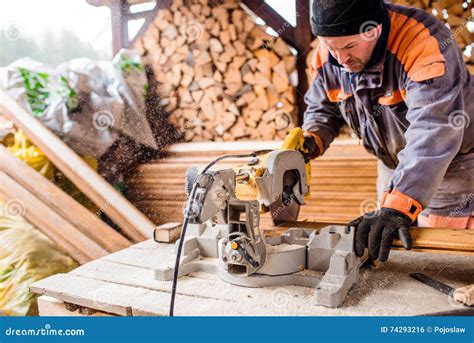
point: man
(395, 75)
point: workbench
(122, 284)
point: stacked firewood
(456, 14)
(221, 75)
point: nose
(341, 57)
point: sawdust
(384, 290)
(273, 249)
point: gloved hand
(312, 147)
(377, 230)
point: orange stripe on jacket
(336, 95)
(396, 97)
(320, 57)
(416, 49)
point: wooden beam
(52, 307)
(434, 240)
(73, 242)
(131, 221)
(149, 17)
(61, 203)
(273, 19)
(118, 10)
(303, 37)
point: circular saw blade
(286, 207)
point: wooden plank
(67, 237)
(120, 39)
(438, 240)
(203, 285)
(60, 202)
(304, 37)
(443, 239)
(203, 147)
(120, 211)
(52, 307)
(273, 19)
(168, 232)
(126, 300)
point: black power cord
(186, 217)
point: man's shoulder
(401, 15)
(416, 41)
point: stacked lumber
(221, 76)
(70, 225)
(456, 14)
(343, 180)
(131, 222)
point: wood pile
(221, 76)
(343, 180)
(456, 14)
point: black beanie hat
(333, 18)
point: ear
(379, 30)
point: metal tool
(224, 236)
(463, 295)
(443, 288)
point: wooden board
(122, 284)
(52, 307)
(124, 214)
(66, 236)
(434, 240)
(61, 203)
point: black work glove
(312, 147)
(377, 230)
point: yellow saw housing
(246, 187)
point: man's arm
(432, 141)
(322, 118)
(433, 137)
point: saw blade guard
(284, 184)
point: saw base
(324, 260)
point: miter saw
(221, 232)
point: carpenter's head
(352, 52)
(349, 29)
